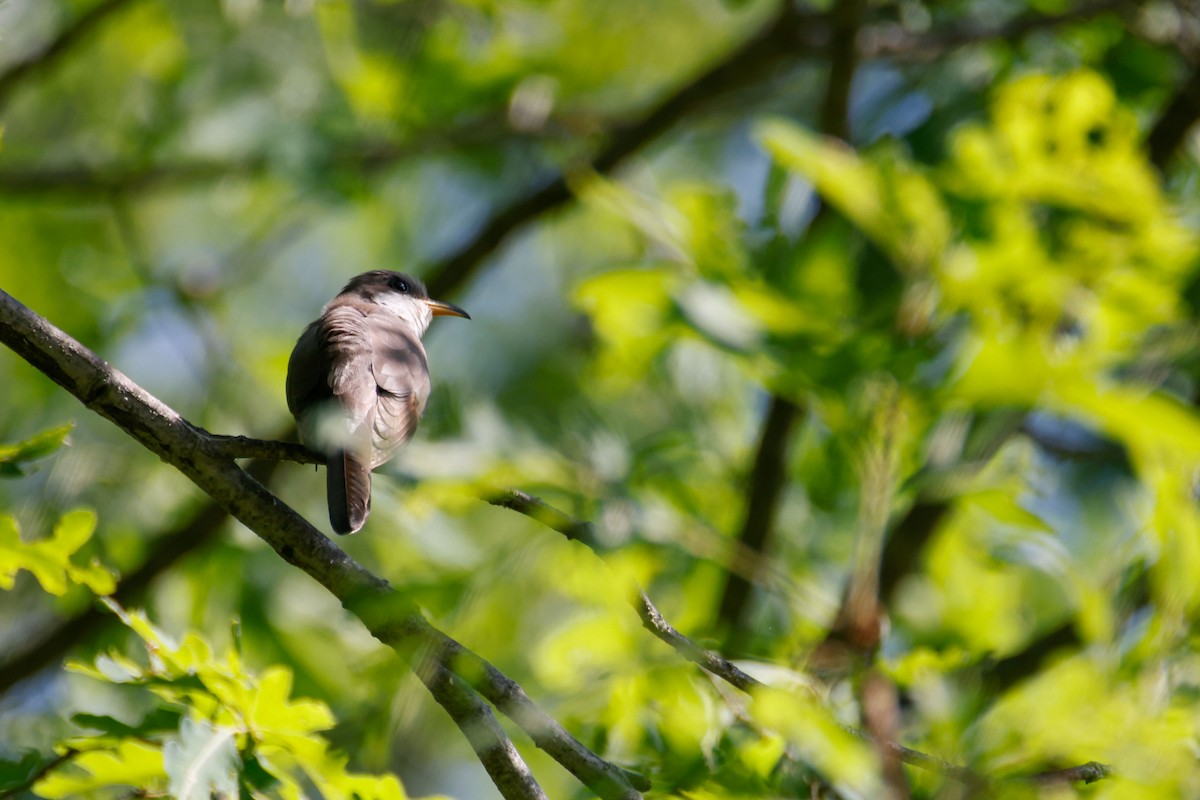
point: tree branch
(386, 613)
(1174, 122)
(364, 156)
(491, 744)
(40, 772)
(716, 664)
(1087, 773)
(788, 33)
(767, 478)
(788, 37)
(769, 472)
(58, 47)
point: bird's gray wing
(402, 376)
(330, 379)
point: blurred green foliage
(982, 306)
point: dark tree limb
(1176, 119)
(386, 613)
(1086, 773)
(787, 38)
(785, 35)
(767, 478)
(89, 181)
(58, 47)
(768, 475)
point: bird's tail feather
(349, 491)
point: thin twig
(1087, 773)
(40, 772)
(717, 665)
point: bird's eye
(400, 285)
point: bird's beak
(441, 309)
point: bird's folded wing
(401, 375)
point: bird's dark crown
(378, 281)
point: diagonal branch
(787, 38)
(385, 612)
(788, 34)
(58, 47)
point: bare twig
(40, 772)
(386, 613)
(537, 509)
(717, 665)
(708, 660)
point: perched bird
(358, 380)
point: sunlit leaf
(132, 763)
(49, 560)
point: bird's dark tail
(348, 487)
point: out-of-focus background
(797, 304)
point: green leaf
(274, 714)
(49, 560)
(131, 763)
(886, 197)
(203, 762)
(13, 458)
(631, 314)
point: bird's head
(403, 295)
